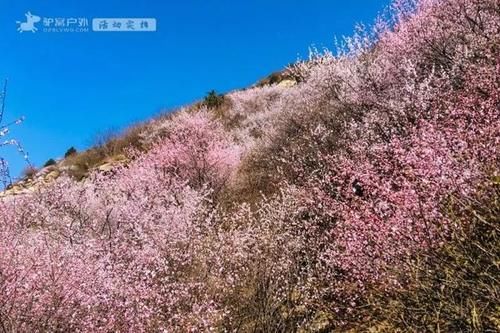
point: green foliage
(49, 163)
(213, 100)
(71, 151)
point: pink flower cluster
(122, 251)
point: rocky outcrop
(49, 174)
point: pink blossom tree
(364, 154)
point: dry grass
(265, 168)
(277, 77)
(455, 288)
(105, 146)
(29, 172)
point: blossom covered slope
(284, 209)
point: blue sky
(71, 86)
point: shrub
(196, 150)
(80, 164)
(49, 162)
(70, 152)
(213, 100)
(453, 288)
(77, 274)
(462, 293)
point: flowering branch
(5, 178)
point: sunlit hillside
(357, 191)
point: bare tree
(5, 177)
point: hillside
(355, 192)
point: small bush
(82, 163)
(71, 151)
(213, 100)
(49, 163)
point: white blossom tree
(5, 177)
